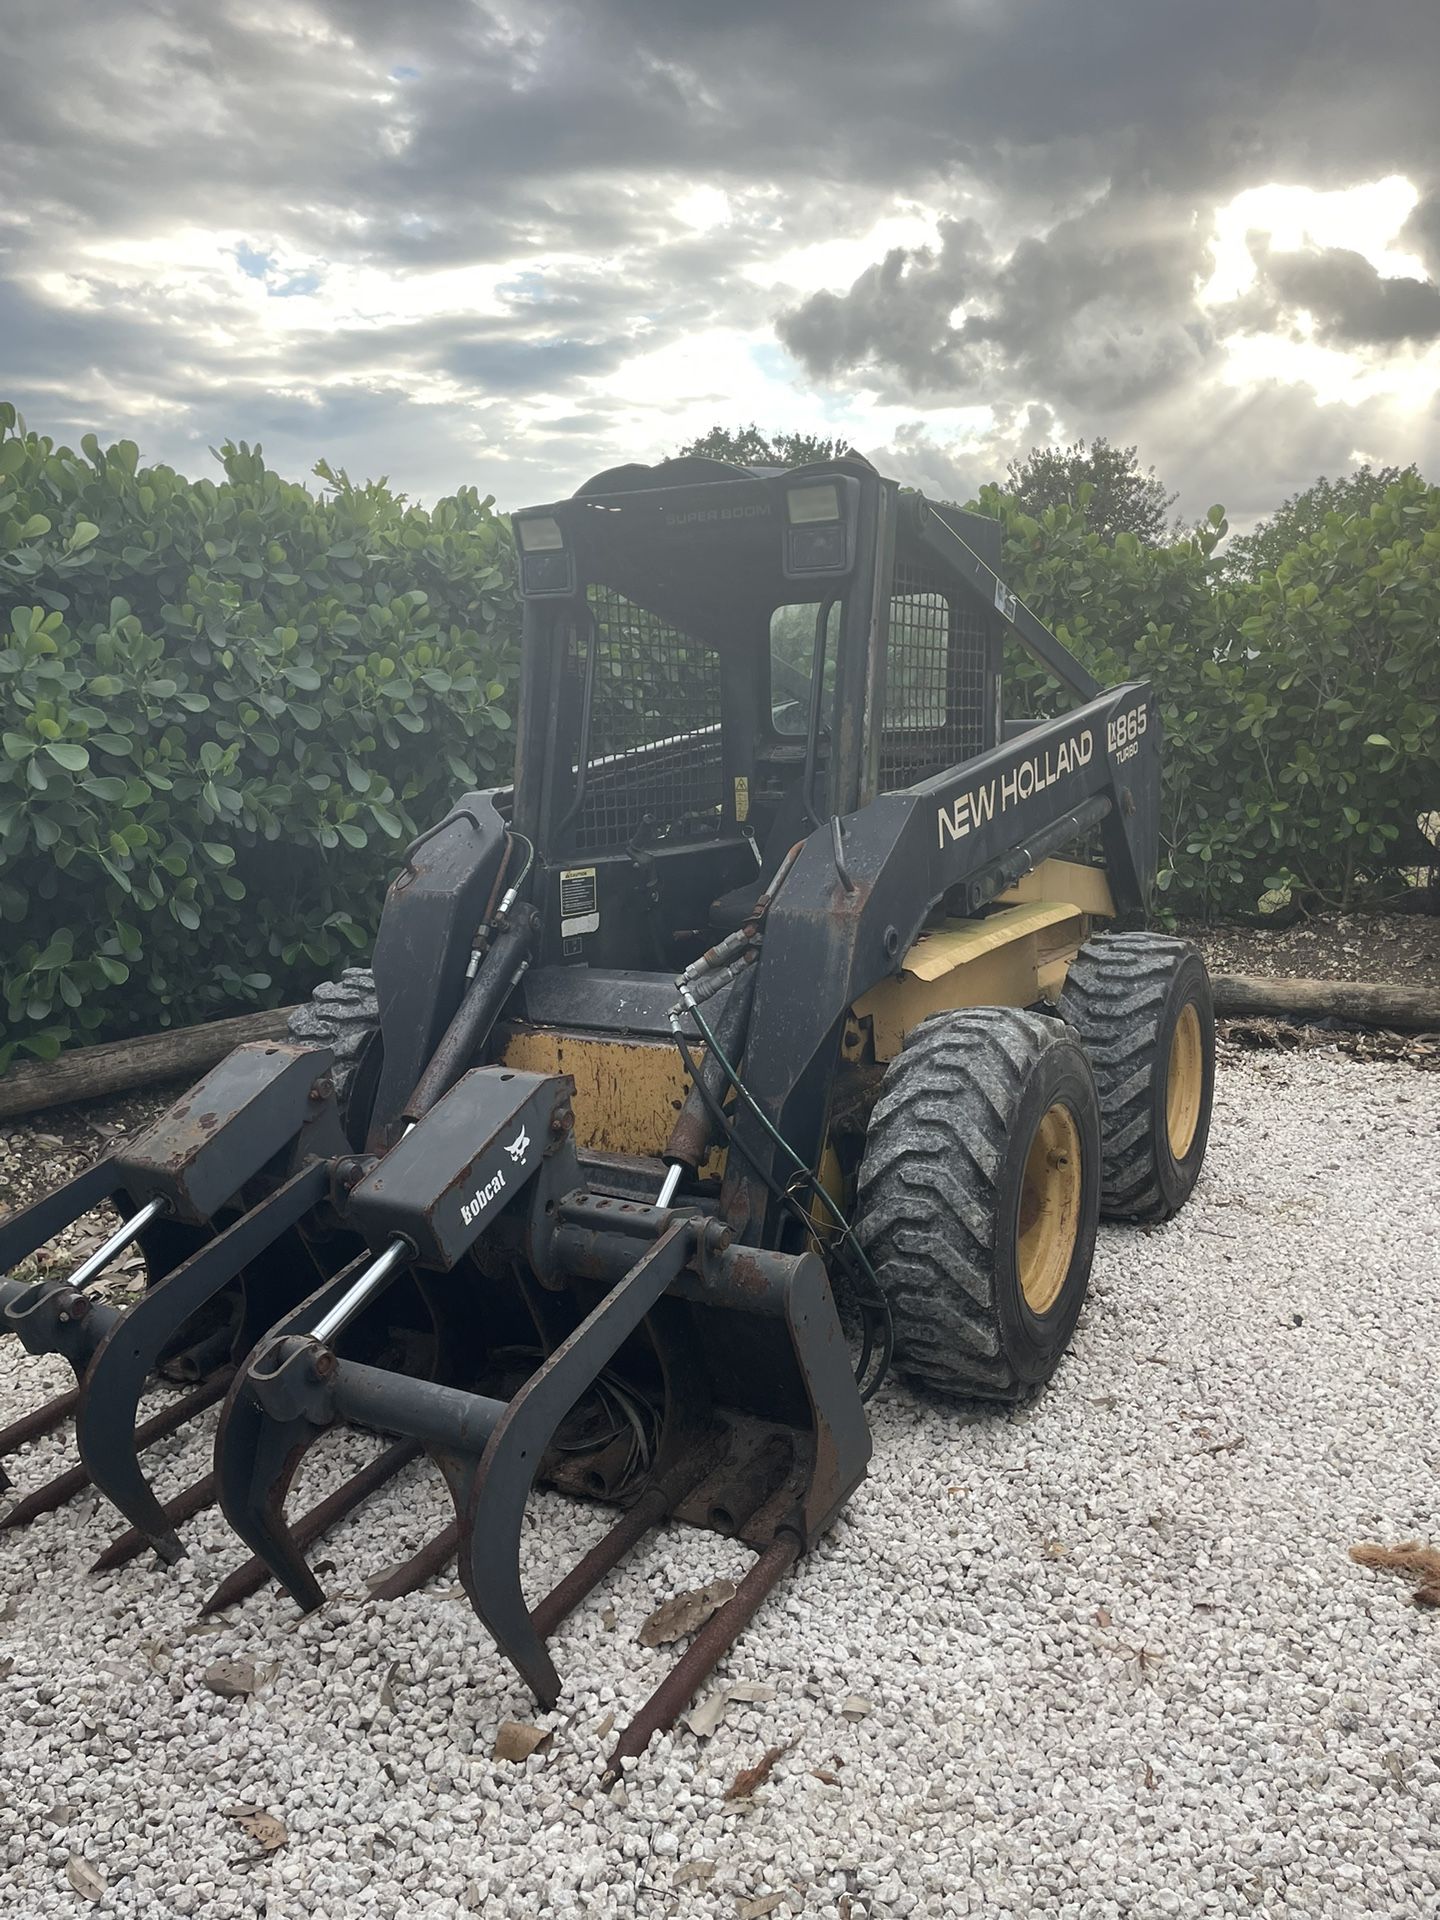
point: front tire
(1142, 1007)
(979, 1195)
(344, 1015)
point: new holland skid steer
(766, 987)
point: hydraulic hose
(693, 1133)
(496, 978)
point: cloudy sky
(508, 244)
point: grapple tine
(607, 1553)
(27, 1229)
(66, 1485)
(312, 1526)
(129, 1545)
(703, 1655)
(431, 1559)
(130, 1351)
(494, 1512)
(40, 1421)
(257, 1455)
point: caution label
(579, 901)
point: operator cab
(717, 660)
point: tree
(1121, 499)
(749, 447)
(1303, 515)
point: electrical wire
(873, 1311)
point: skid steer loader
(793, 969)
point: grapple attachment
(624, 1352)
(183, 1186)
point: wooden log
(122, 1065)
(1414, 1009)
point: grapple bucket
(626, 1353)
(213, 1192)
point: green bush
(227, 707)
(1301, 709)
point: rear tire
(1141, 1005)
(344, 1015)
(978, 1198)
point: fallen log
(1365, 1003)
(120, 1066)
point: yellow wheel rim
(1049, 1208)
(1184, 1082)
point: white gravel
(1117, 1660)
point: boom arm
(833, 933)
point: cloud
(465, 240)
(1098, 312)
(1351, 303)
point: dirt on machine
(793, 1017)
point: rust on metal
(66, 1485)
(129, 1545)
(700, 1658)
(30, 1426)
(607, 1553)
(431, 1559)
(253, 1574)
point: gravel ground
(1105, 1657)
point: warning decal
(579, 903)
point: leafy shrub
(1301, 708)
(227, 707)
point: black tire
(1127, 995)
(344, 1015)
(940, 1191)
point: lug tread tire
(343, 1015)
(1116, 996)
(928, 1189)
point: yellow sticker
(742, 799)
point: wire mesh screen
(934, 680)
(653, 768)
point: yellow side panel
(1084, 887)
(627, 1092)
(1010, 959)
(939, 950)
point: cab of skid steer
(678, 621)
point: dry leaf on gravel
(705, 1716)
(1102, 1617)
(1428, 1595)
(824, 1775)
(83, 1878)
(232, 1679)
(268, 1832)
(516, 1740)
(757, 1908)
(685, 1613)
(750, 1692)
(1408, 1556)
(384, 1696)
(606, 1726)
(693, 1873)
(749, 1778)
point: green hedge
(226, 707)
(1301, 710)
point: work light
(819, 517)
(546, 565)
